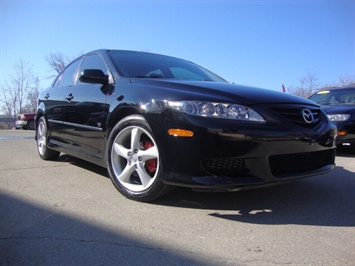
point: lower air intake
(224, 167)
(288, 164)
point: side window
(67, 78)
(56, 81)
(94, 61)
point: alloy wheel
(135, 158)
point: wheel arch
(118, 114)
(39, 114)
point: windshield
(333, 97)
(146, 65)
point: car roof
(121, 51)
(342, 88)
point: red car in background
(26, 121)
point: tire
(133, 161)
(42, 142)
(31, 125)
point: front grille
(224, 167)
(288, 164)
(294, 115)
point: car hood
(218, 90)
(339, 109)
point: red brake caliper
(150, 165)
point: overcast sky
(258, 43)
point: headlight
(217, 110)
(338, 117)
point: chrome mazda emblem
(307, 116)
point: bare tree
(32, 96)
(308, 85)
(57, 61)
(347, 81)
(8, 101)
(15, 90)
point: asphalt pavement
(67, 212)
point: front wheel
(133, 160)
(42, 142)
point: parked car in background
(156, 121)
(339, 105)
(26, 121)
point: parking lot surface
(67, 212)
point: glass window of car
(155, 73)
(55, 83)
(185, 74)
(67, 77)
(94, 61)
(136, 64)
(330, 97)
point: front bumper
(233, 156)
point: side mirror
(94, 76)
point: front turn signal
(342, 133)
(180, 132)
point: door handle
(69, 97)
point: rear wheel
(134, 164)
(42, 142)
(31, 125)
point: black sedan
(339, 105)
(156, 121)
